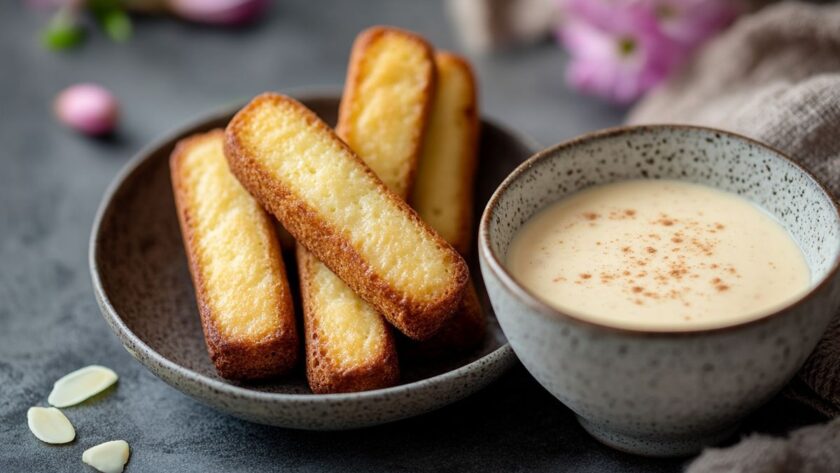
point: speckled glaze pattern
(143, 288)
(659, 393)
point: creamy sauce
(659, 255)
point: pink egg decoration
(219, 12)
(87, 108)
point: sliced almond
(81, 384)
(50, 425)
(108, 457)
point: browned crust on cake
(354, 78)
(460, 334)
(323, 374)
(469, 161)
(234, 359)
(416, 319)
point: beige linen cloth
(773, 76)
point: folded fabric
(773, 76)
(813, 449)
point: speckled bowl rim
(497, 269)
(502, 356)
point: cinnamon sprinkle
(660, 277)
(664, 220)
(719, 285)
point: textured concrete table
(50, 185)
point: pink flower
(617, 51)
(621, 48)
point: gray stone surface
(50, 185)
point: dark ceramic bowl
(143, 287)
(664, 392)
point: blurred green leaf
(117, 25)
(62, 32)
(111, 18)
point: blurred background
(166, 61)
(549, 68)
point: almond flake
(81, 384)
(50, 425)
(108, 457)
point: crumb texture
(232, 241)
(348, 198)
(349, 330)
(391, 86)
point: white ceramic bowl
(654, 392)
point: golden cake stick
(387, 97)
(443, 189)
(334, 205)
(234, 258)
(349, 347)
(443, 193)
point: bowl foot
(656, 445)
